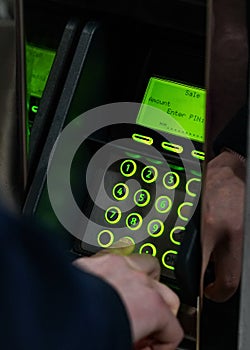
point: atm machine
(116, 99)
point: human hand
(222, 224)
(151, 306)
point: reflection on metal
(244, 318)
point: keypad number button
(149, 174)
(142, 198)
(120, 191)
(105, 238)
(155, 228)
(128, 168)
(163, 204)
(113, 215)
(134, 221)
(171, 180)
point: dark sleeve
(234, 136)
(46, 303)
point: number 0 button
(120, 191)
(128, 168)
(163, 204)
(134, 221)
(149, 174)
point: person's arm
(47, 303)
(223, 209)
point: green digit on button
(134, 221)
(128, 168)
(120, 191)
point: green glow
(163, 204)
(120, 191)
(34, 109)
(172, 147)
(143, 139)
(177, 228)
(181, 206)
(196, 173)
(38, 62)
(155, 228)
(173, 180)
(113, 215)
(141, 198)
(176, 167)
(198, 154)
(191, 194)
(182, 103)
(111, 236)
(150, 246)
(128, 168)
(134, 221)
(149, 174)
(154, 161)
(133, 155)
(164, 257)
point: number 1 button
(128, 168)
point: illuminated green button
(176, 235)
(171, 147)
(105, 238)
(198, 154)
(128, 168)
(120, 191)
(148, 248)
(171, 180)
(142, 198)
(149, 174)
(113, 215)
(169, 258)
(155, 228)
(193, 192)
(34, 109)
(134, 221)
(184, 211)
(143, 139)
(163, 204)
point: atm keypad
(149, 205)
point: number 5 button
(141, 198)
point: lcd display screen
(38, 65)
(184, 104)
